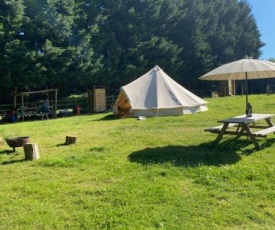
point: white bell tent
(156, 94)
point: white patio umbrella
(244, 69)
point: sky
(263, 11)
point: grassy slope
(129, 174)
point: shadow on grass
(244, 146)
(13, 162)
(227, 152)
(186, 156)
(6, 152)
(268, 143)
(63, 144)
(109, 117)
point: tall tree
(63, 41)
(213, 32)
(132, 41)
(13, 47)
(72, 44)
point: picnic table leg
(219, 137)
(240, 131)
(252, 137)
(238, 128)
(269, 122)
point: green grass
(159, 173)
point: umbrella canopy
(244, 69)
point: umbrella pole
(248, 107)
(246, 93)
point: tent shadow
(186, 156)
(109, 117)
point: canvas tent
(156, 94)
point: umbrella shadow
(185, 156)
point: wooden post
(55, 104)
(70, 140)
(31, 151)
(23, 109)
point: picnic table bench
(217, 129)
(244, 126)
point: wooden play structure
(23, 109)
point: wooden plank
(258, 126)
(245, 119)
(232, 133)
(34, 92)
(264, 132)
(218, 128)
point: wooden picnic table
(244, 126)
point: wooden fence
(65, 107)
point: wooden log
(70, 140)
(31, 151)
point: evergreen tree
(70, 44)
(132, 39)
(13, 47)
(63, 40)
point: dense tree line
(71, 45)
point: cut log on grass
(31, 151)
(70, 140)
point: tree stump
(31, 151)
(70, 140)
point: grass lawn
(158, 173)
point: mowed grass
(158, 173)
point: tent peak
(156, 68)
(247, 57)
